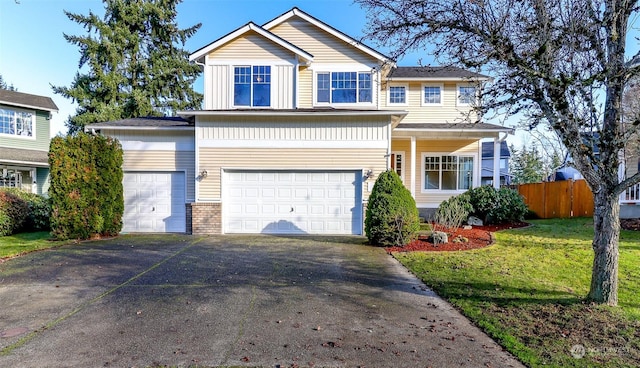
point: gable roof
(433, 73)
(487, 149)
(27, 100)
(199, 54)
(327, 28)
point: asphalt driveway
(138, 301)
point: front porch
(438, 161)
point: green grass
(15, 245)
(527, 291)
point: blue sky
(34, 55)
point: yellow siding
(163, 161)
(217, 88)
(432, 146)
(252, 46)
(305, 88)
(324, 47)
(343, 128)
(215, 159)
(448, 112)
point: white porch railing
(631, 195)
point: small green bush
(39, 210)
(453, 212)
(13, 213)
(392, 215)
(497, 206)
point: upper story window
(431, 94)
(17, 123)
(397, 95)
(252, 86)
(344, 87)
(467, 95)
(447, 172)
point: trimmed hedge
(492, 206)
(38, 210)
(13, 213)
(86, 186)
(392, 215)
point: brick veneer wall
(206, 218)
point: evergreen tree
(136, 63)
(4, 85)
(526, 165)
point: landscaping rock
(467, 227)
(460, 239)
(474, 221)
(439, 237)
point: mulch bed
(478, 237)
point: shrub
(392, 215)
(453, 212)
(39, 210)
(13, 213)
(497, 206)
(86, 186)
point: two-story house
(298, 121)
(24, 140)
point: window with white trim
(431, 94)
(447, 172)
(397, 163)
(17, 123)
(252, 86)
(467, 95)
(344, 87)
(397, 95)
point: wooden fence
(558, 199)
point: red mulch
(478, 237)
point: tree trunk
(604, 277)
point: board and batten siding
(164, 151)
(456, 147)
(42, 132)
(214, 160)
(447, 112)
(219, 85)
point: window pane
(261, 86)
(324, 85)
(397, 94)
(432, 173)
(449, 172)
(24, 124)
(343, 87)
(466, 173)
(467, 95)
(242, 86)
(6, 122)
(432, 95)
(364, 87)
(396, 163)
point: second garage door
(292, 202)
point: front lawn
(527, 292)
(14, 245)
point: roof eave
(337, 112)
(88, 128)
(26, 106)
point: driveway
(138, 301)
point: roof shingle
(8, 97)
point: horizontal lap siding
(215, 159)
(251, 46)
(435, 146)
(42, 134)
(448, 112)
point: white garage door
(154, 202)
(292, 202)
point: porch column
(496, 162)
(412, 167)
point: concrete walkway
(139, 301)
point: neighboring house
(24, 140)
(488, 150)
(298, 121)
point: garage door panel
(154, 202)
(292, 202)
